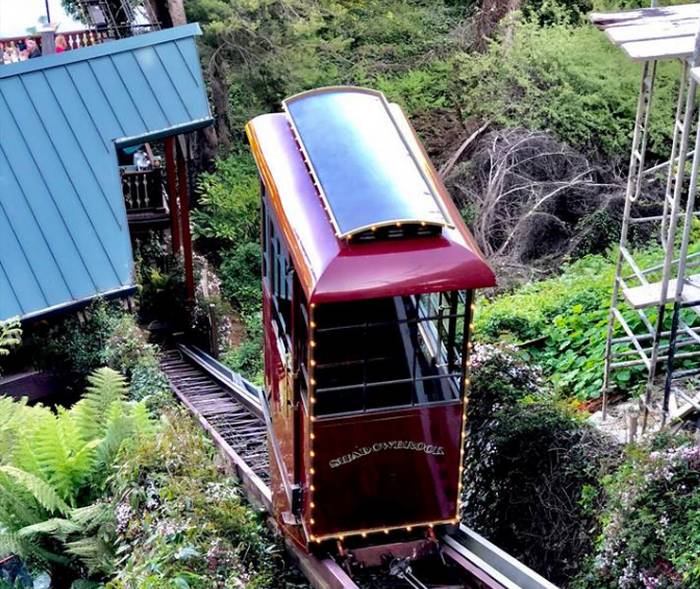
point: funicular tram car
(369, 275)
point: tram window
(389, 352)
(265, 241)
(278, 277)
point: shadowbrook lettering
(429, 449)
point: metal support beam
(171, 182)
(183, 193)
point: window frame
(440, 326)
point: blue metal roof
(363, 166)
(64, 236)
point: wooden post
(171, 175)
(213, 331)
(48, 40)
(183, 190)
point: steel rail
(492, 566)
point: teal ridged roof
(64, 236)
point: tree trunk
(176, 8)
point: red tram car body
(368, 284)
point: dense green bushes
(561, 324)
(533, 466)
(228, 225)
(53, 469)
(108, 336)
(564, 321)
(567, 79)
(102, 492)
(258, 52)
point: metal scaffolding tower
(117, 18)
(655, 296)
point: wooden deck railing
(86, 37)
(143, 190)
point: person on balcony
(33, 49)
(61, 44)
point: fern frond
(42, 492)
(106, 387)
(143, 424)
(92, 516)
(16, 506)
(94, 552)
(54, 526)
(11, 544)
(52, 456)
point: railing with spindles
(84, 38)
(143, 190)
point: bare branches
(526, 193)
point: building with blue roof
(64, 230)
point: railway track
(228, 408)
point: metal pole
(642, 119)
(48, 12)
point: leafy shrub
(567, 79)
(181, 523)
(532, 466)
(247, 358)
(10, 336)
(229, 202)
(109, 336)
(261, 51)
(53, 466)
(78, 347)
(561, 323)
(240, 277)
(649, 537)
(161, 282)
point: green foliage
(161, 283)
(78, 347)
(567, 79)
(561, 324)
(181, 523)
(261, 51)
(229, 217)
(240, 277)
(54, 465)
(532, 466)
(229, 202)
(10, 335)
(109, 336)
(247, 358)
(650, 523)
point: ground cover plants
(182, 523)
(649, 537)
